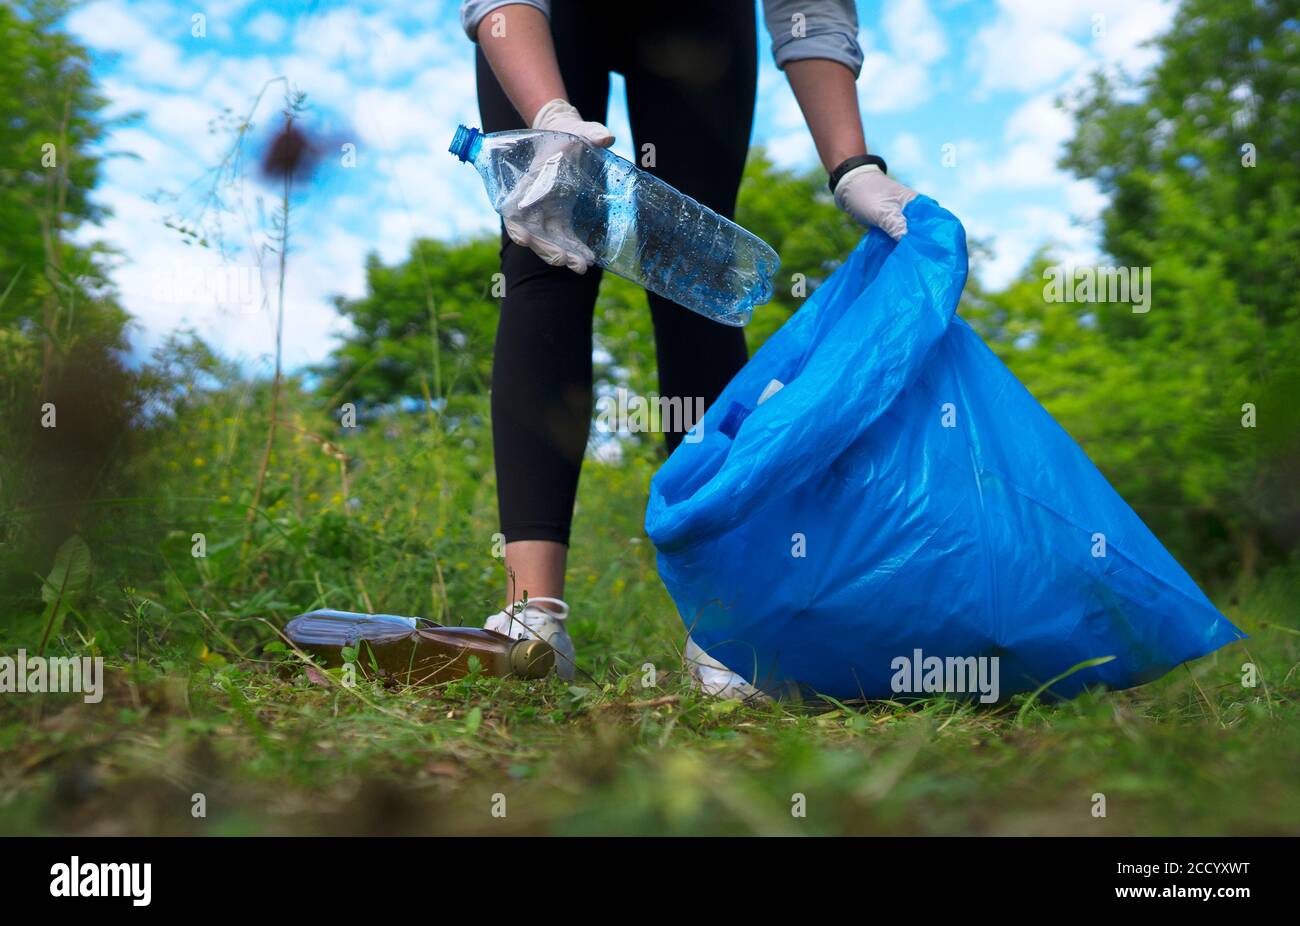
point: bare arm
(829, 100)
(826, 94)
(516, 40)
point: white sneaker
(539, 619)
(713, 678)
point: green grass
(198, 703)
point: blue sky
(974, 78)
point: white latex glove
(561, 116)
(868, 195)
(537, 213)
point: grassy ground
(400, 517)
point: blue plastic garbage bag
(902, 498)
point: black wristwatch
(858, 160)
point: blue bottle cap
(465, 143)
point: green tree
(57, 292)
(1201, 163)
(426, 324)
(67, 405)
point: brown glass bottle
(415, 651)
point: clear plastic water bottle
(576, 196)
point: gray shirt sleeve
(799, 28)
(473, 11)
(814, 29)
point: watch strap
(858, 160)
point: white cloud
(889, 84)
(1032, 137)
(906, 152)
(111, 26)
(372, 43)
(1032, 44)
(789, 143)
(792, 149)
(1127, 28)
(1085, 201)
(1012, 57)
(901, 77)
(158, 273)
(1022, 232)
(267, 26)
(1046, 50)
(913, 31)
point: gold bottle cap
(532, 658)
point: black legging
(690, 71)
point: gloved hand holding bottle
(537, 214)
(575, 204)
